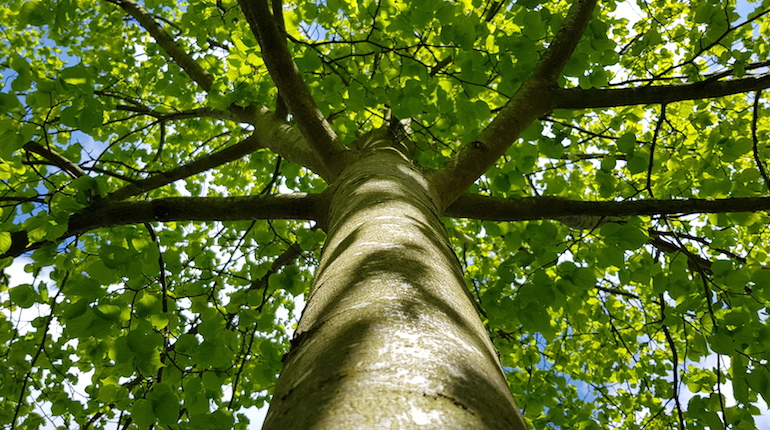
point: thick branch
(287, 141)
(292, 87)
(54, 157)
(307, 207)
(231, 153)
(564, 42)
(530, 102)
(180, 115)
(755, 140)
(533, 208)
(273, 132)
(182, 58)
(287, 144)
(612, 97)
(287, 206)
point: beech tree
(556, 202)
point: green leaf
(639, 162)
(114, 257)
(90, 323)
(536, 319)
(195, 400)
(165, 404)
(142, 413)
(34, 12)
(626, 236)
(759, 382)
(73, 310)
(143, 339)
(78, 76)
(41, 227)
(608, 163)
(626, 143)
(551, 148)
(739, 377)
(11, 137)
(735, 149)
(5, 241)
(23, 296)
(86, 288)
(86, 114)
(120, 352)
(102, 274)
(309, 61)
(584, 278)
(534, 27)
(111, 312)
(722, 343)
(211, 381)
(218, 420)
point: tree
(181, 172)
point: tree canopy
(603, 179)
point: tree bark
(390, 337)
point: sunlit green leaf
(5, 241)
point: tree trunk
(390, 337)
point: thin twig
(655, 136)
(674, 362)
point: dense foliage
(622, 322)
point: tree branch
(309, 207)
(178, 115)
(286, 206)
(54, 157)
(694, 262)
(274, 133)
(182, 58)
(286, 141)
(488, 208)
(231, 153)
(288, 145)
(233, 113)
(530, 102)
(575, 98)
(715, 42)
(755, 140)
(292, 87)
(562, 46)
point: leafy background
(654, 320)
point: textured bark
(576, 98)
(294, 92)
(104, 215)
(489, 208)
(305, 206)
(390, 337)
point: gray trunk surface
(390, 337)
